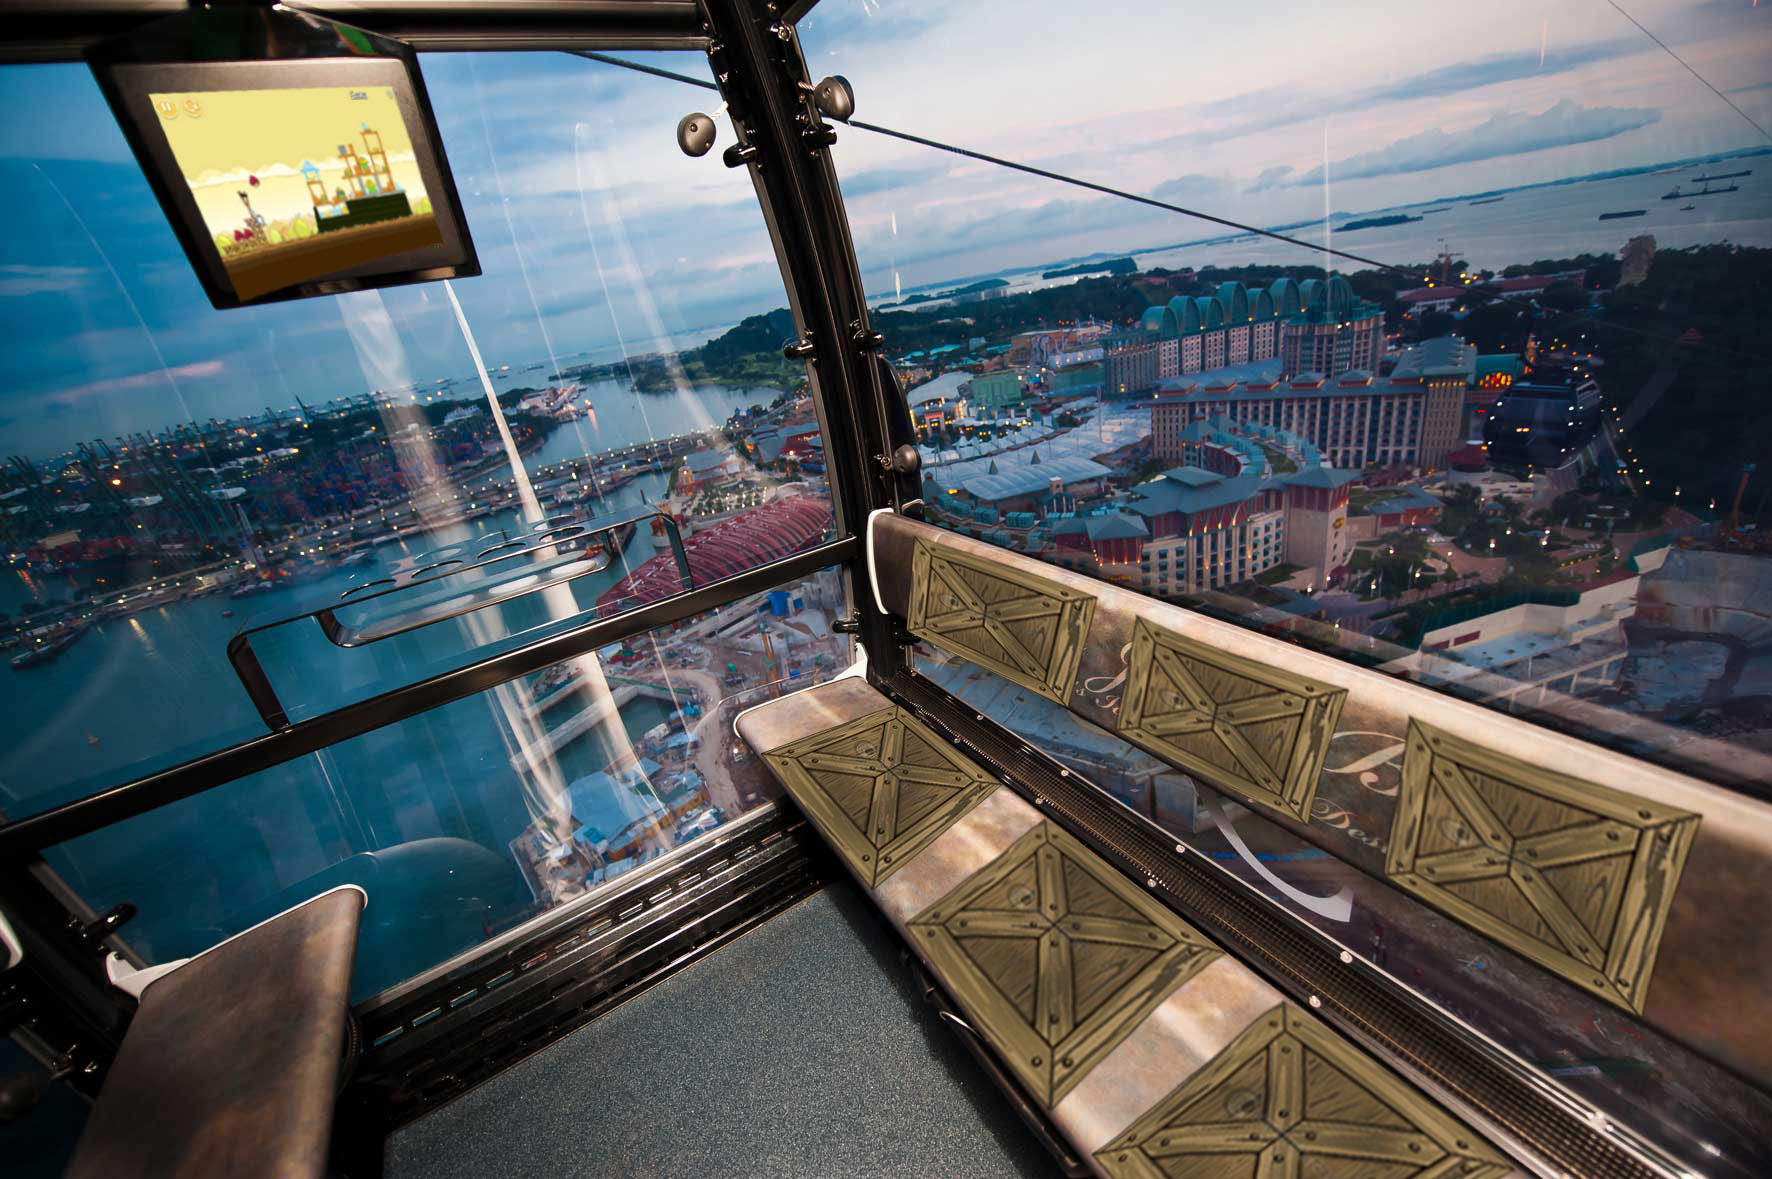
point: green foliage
(1714, 417)
(1602, 269)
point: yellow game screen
(298, 185)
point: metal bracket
(91, 934)
(459, 578)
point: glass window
(177, 476)
(1513, 347)
(1634, 1075)
(469, 819)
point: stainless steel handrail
(487, 570)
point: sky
(595, 234)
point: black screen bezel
(128, 85)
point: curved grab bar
(469, 575)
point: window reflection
(465, 821)
(176, 475)
(1490, 421)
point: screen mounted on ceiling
(298, 176)
(298, 185)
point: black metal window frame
(757, 70)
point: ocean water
(436, 795)
(1555, 221)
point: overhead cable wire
(1665, 48)
(1045, 174)
(1391, 267)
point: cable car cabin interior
(721, 587)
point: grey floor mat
(799, 1050)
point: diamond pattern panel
(1022, 627)
(1576, 876)
(881, 788)
(1288, 1100)
(1056, 957)
(1237, 724)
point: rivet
(1151, 882)
(1067, 1062)
(1316, 1002)
(1037, 1060)
(1346, 957)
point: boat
(1623, 213)
(251, 587)
(1487, 201)
(1722, 176)
(46, 649)
(1687, 208)
(1707, 190)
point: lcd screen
(296, 185)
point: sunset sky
(596, 233)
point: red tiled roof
(753, 538)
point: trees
(1434, 324)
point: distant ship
(1625, 213)
(1687, 208)
(1488, 200)
(47, 649)
(1722, 176)
(1707, 190)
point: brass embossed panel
(1576, 876)
(1237, 724)
(1056, 957)
(881, 787)
(1288, 1100)
(1024, 628)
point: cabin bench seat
(231, 1063)
(1139, 1039)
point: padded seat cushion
(231, 1064)
(1150, 1049)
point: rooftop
(1116, 526)
(706, 460)
(1028, 478)
(1193, 489)
(1410, 499)
(1443, 356)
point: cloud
(41, 280)
(1192, 186)
(1270, 178)
(878, 180)
(151, 379)
(1504, 133)
(1488, 71)
(1281, 106)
